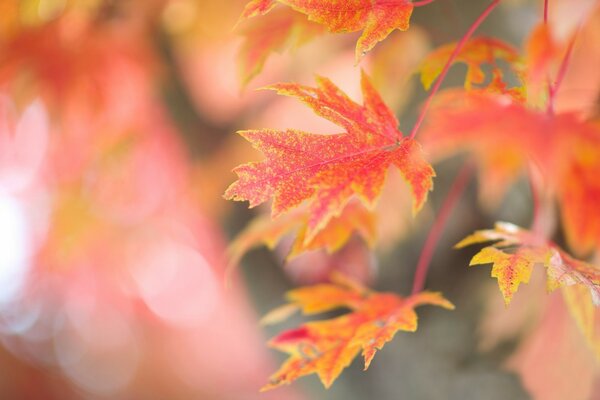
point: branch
(422, 3)
(458, 187)
(562, 71)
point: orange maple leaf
(268, 231)
(326, 171)
(375, 18)
(517, 251)
(476, 53)
(327, 347)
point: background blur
(117, 138)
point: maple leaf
(285, 28)
(476, 53)
(268, 231)
(462, 121)
(279, 29)
(582, 308)
(327, 347)
(326, 171)
(375, 18)
(506, 137)
(517, 251)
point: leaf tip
(327, 383)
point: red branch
(455, 53)
(422, 3)
(458, 187)
(562, 71)
(545, 11)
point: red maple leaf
(326, 171)
(506, 137)
(375, 18)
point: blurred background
(117, 140)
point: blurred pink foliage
(113, 271)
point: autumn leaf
(552, 360)
(327, 347)
(582, 308)
(517, 251)
(288, 27)
(512, 262)
(506, 137)
(375, 18)
(326, 171)
(268, 231)
(461, 122)
(475, 54)
(280, 29)
(576, 166)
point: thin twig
(422, 3)
(458, 187)
(562, 71)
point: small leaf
(517, 251)
(327, 347)
(510, 269)
(475, 54)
